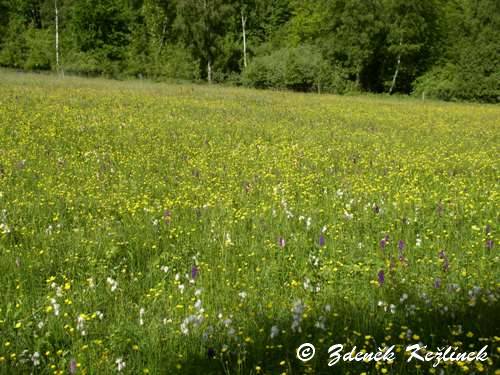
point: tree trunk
(209, 71)
(58, 67)
(243, 23)
(163, 35)
(395, 76)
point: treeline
(448, 49)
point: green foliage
(300, 69)
(40, 49)
(14, 46)
(450, 48)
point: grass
(149, 228)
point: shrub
(301, 68)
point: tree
(201, 24)
(412, 30)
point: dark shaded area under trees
(447, 49)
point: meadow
(162, 229)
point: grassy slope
(102, 179)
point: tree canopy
(447, 49)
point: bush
(300, 69)
(474, 74)
(14, 49)
(41, 50)
(452, 83)
(176, 62)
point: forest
(443, 49)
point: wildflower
(307, 283)
(4, 228)
(348, 215)
(112, 283)
(227, 240)
(274, 332)
(184, 328)
(167, 216)
(242, 295)
(120, 364)
(383, 243)
(80, 325)
(401, 245)
(210, 353)
(164, 269)
(321, 240)
(197, 304)
(418, 242)
(35, 358)
(55, 306)
(489, 244)
(72, 366)
(437, 283)
(446, 264)
(141, 315)
(381, 277)
(297, 311)
(281, 242)
(320, 324)
(194, 272)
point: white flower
(112, 283)
(348, 215)
(308, 222)
(99, 314)
(227, 240)
(197, 305)
(80, 325)
(242, 295)
(120, 364)
(274, 332)
(181, 288)
(141, 314)
(320, 323)
(164, 269)
(55, 306)
(4, 228)
(35, 358)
